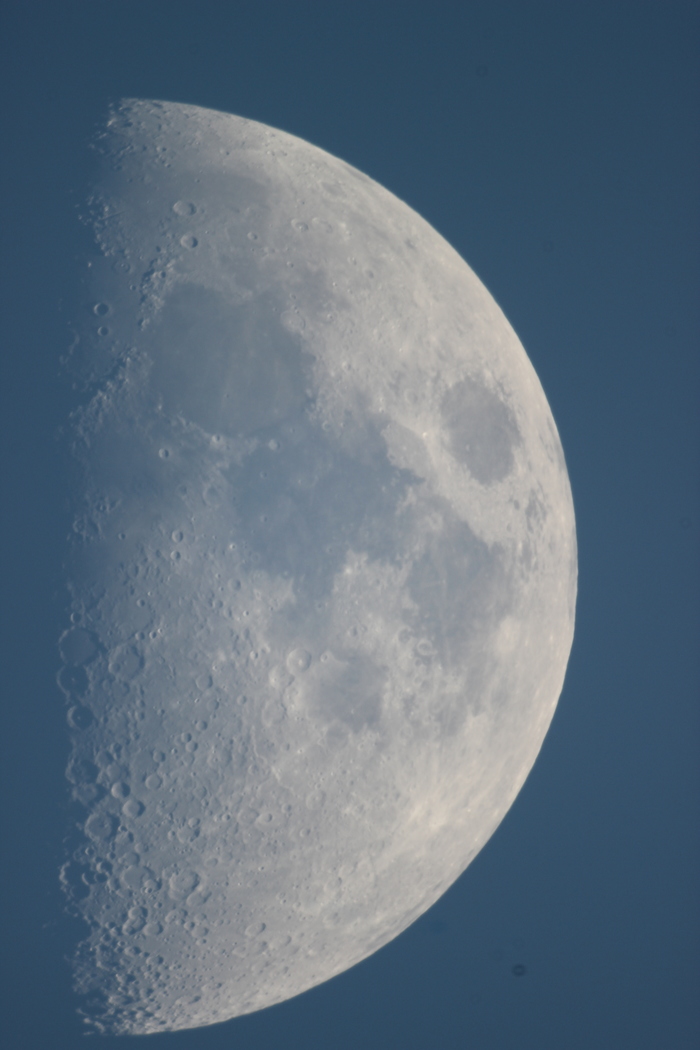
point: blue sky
(556, 147)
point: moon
(321, 573)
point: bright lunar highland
(321, 574)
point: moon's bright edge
(322, 571)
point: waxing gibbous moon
(322, 570)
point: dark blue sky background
(556, 146)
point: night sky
(556, 146)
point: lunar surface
(321, 575)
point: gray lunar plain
(321, 577)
